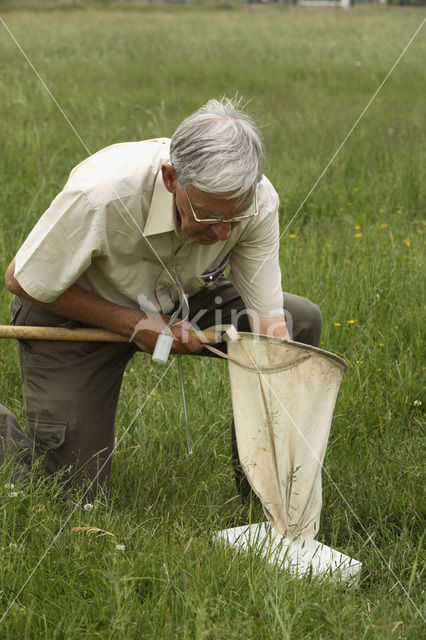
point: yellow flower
(378, 370)
(329, 244)
(337, 324)
(153, 394)
(419, 230)
(358, 235)
(357, 227)
(359, 361)
(356, 189)
(341, 209)
(384, 225)
(351, 321)
(399, 211)
(407, 243)
(349, 204)
(381, 344)
(291, 235)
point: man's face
(205, 205)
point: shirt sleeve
(60, 247)
(255, 269)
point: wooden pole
(209, 336)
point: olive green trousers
(71, 389)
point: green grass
(133, 74)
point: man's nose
(221, 230)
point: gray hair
(218, 149)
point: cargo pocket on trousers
(46, 435)
(16, 306)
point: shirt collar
(162, 215)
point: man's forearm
(142, 328)
(84, 307)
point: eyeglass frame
(223, 219)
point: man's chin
(202, 240)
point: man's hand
(274, 327)
(148, 328)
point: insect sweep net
(283, 396)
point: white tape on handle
(162, 348)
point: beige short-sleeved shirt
(114, 231)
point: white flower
(13, 494)
(88, 506)
(13, 546)
(120, 547)
(417, 403)
(9, 485)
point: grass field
(355, 247)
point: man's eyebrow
(209, 213)
(204, 211)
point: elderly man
(133, 221)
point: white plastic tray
(300, 558)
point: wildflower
(13, 546)
(419, 230)
(329, 244)
(153, 394)
(120, 547)
(381, 344)
(358, 235)
(13, 494)
(349, 204)
(407, 243)
(88, 506)
(384, 225)
(378, 370)
(341, 209)
(399, 211)
(357, 227)
(351, 321)
(417, 403)
(356, 189)
(359, 361)
(337, 324)
(9, 485)
(291, 235)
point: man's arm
(77, 304)
(273, 327)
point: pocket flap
(45, 434)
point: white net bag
(283, 396)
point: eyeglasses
(225, 218)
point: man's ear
(169, 174)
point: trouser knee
(313, 328)
(304, 319)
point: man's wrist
(139, 321)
